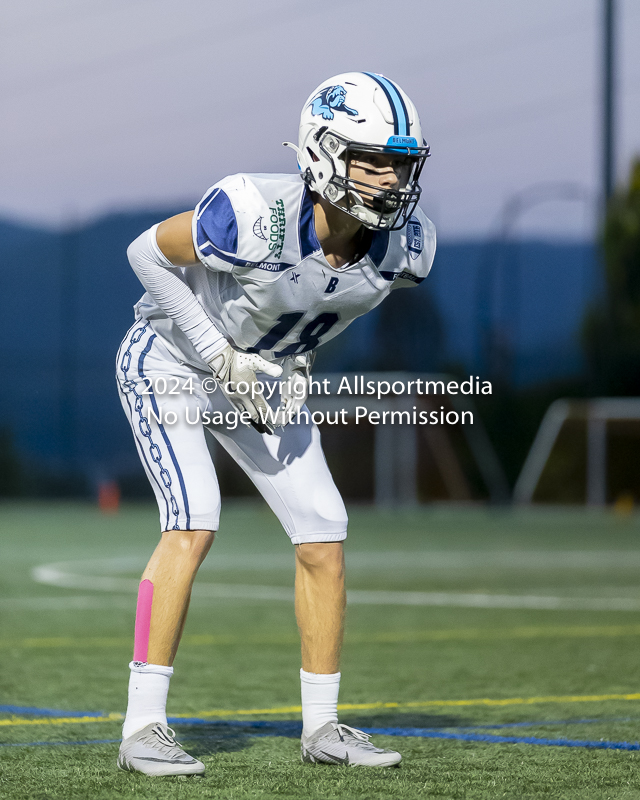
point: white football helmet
(352, 114)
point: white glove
(230, 368)
(295, 380)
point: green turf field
(482, 643)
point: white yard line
(468, 600)
(355, 597)
(97, 575)
(421, 561)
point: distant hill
(68, 298)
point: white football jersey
(264, 280)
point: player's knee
(190, 544)
(321, 556)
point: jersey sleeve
(420, 244)
(215, 231)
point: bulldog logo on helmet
(329, 100)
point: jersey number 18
(309, 336)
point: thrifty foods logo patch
(415, 238)
(277, 226)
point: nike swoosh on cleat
(162, 760)
(337, 759)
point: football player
(239, 294)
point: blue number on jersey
(309, 336)
(282, 327)
(311, 333)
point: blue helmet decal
(329, 100)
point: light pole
(608, 99)
(497, 334)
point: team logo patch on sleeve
(415, 238)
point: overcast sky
(134, 104)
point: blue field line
(292, 726)
(290, 729)
(421, 733)
(425, 733)
(49, 712)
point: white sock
(148, 689)
(319, 700)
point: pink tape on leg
(143, 621)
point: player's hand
(230, 368)
(295, 380)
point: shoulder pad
(255, 222)
(215, 230)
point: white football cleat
(339, 744)
(154, 751)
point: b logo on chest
(331, 286)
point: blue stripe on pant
(129, 386)
(161, 427)
(123, 364)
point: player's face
(380, 171)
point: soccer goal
(596, 414)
